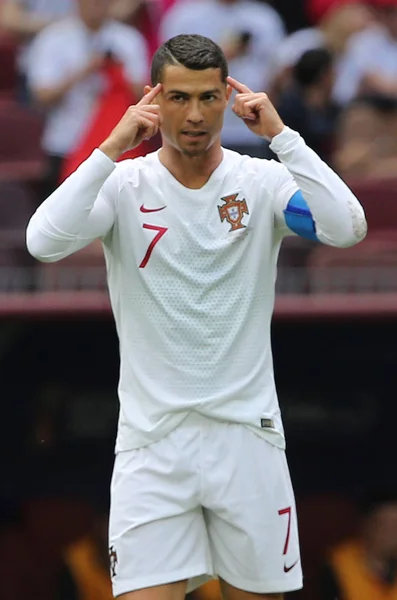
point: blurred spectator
(366, 138)
(85, 574)
(307, 106)
(125, 10)
(365, 567)
(26, 18)
(65, 75)
(334, 28)
(316, 10)
(370, 63)
(248, 32)
(145, 15)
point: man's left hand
(256, 110)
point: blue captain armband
(299, 218)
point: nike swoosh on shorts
(288, 569)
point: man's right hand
(141, 121)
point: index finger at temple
(150, 96)
(239, 87)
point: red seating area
(368, 267)
(84, 270)
(16, 206)
(371, 266)
(21, 158)
(21, 127)
(379, 198)
(21, 161)
(8, 74)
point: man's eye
(178, 98)
(209, 98)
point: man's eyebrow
(179, 92)
(186, 94)
(213, 91)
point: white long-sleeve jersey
(191, 275)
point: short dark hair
(192, 51)
(312, 65)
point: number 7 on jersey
(160, 232)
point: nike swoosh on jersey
(149, 210)
(288, 569)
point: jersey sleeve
(292, 214)
(285, 189)
(80, 210)
(311, 199)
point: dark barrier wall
(336, 383)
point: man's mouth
(194, 134)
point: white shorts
(210, 499)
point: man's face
(192, 105)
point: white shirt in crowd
(43, 9)
(61, 50)
(372, 51)
(221, 22)
(191, 275)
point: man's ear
(229, 91)
(147, 89)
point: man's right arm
(81, 210)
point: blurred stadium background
(334, 340)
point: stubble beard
(194, 153)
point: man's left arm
(323, 207)
(310, 198)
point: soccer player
(191, 235)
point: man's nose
(194, 114)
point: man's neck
(191, 171)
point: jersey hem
(273, 436)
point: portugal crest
(233, 211)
